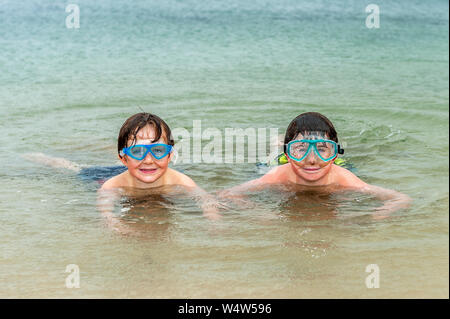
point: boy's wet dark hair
(136, 122)
(309, 122)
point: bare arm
(208, 203)
(55, 162)
(393, 200)
(239, 189)
(105, 204)
(238, 194)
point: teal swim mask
(139, 152)
(326, 150)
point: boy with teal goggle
(310, 158)
(326, 150)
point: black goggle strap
(340, 150)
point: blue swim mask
(326, 150)
(139, 152)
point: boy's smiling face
(149, 170)
(311, 169)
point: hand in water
(211, 208)
(105, 204)
(393, 201)
(209, 204)
(116, 224)
(384, 211)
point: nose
(148, 159)
(311, 158)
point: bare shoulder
(114, 182)
(276, 175)
(348, 179)
(179, 178)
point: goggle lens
(139, 152)
(326, 150)
(159, 151)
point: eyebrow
(144, 140)
(147, 142)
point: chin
(311, 177)
(148, 178)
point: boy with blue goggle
(139, 152)
(145, 147)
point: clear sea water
(66, 92)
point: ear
(290, 160)
(122, 159)
(173, 156)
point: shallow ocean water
(237, 64)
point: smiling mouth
(311, 170)
(148, 170)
